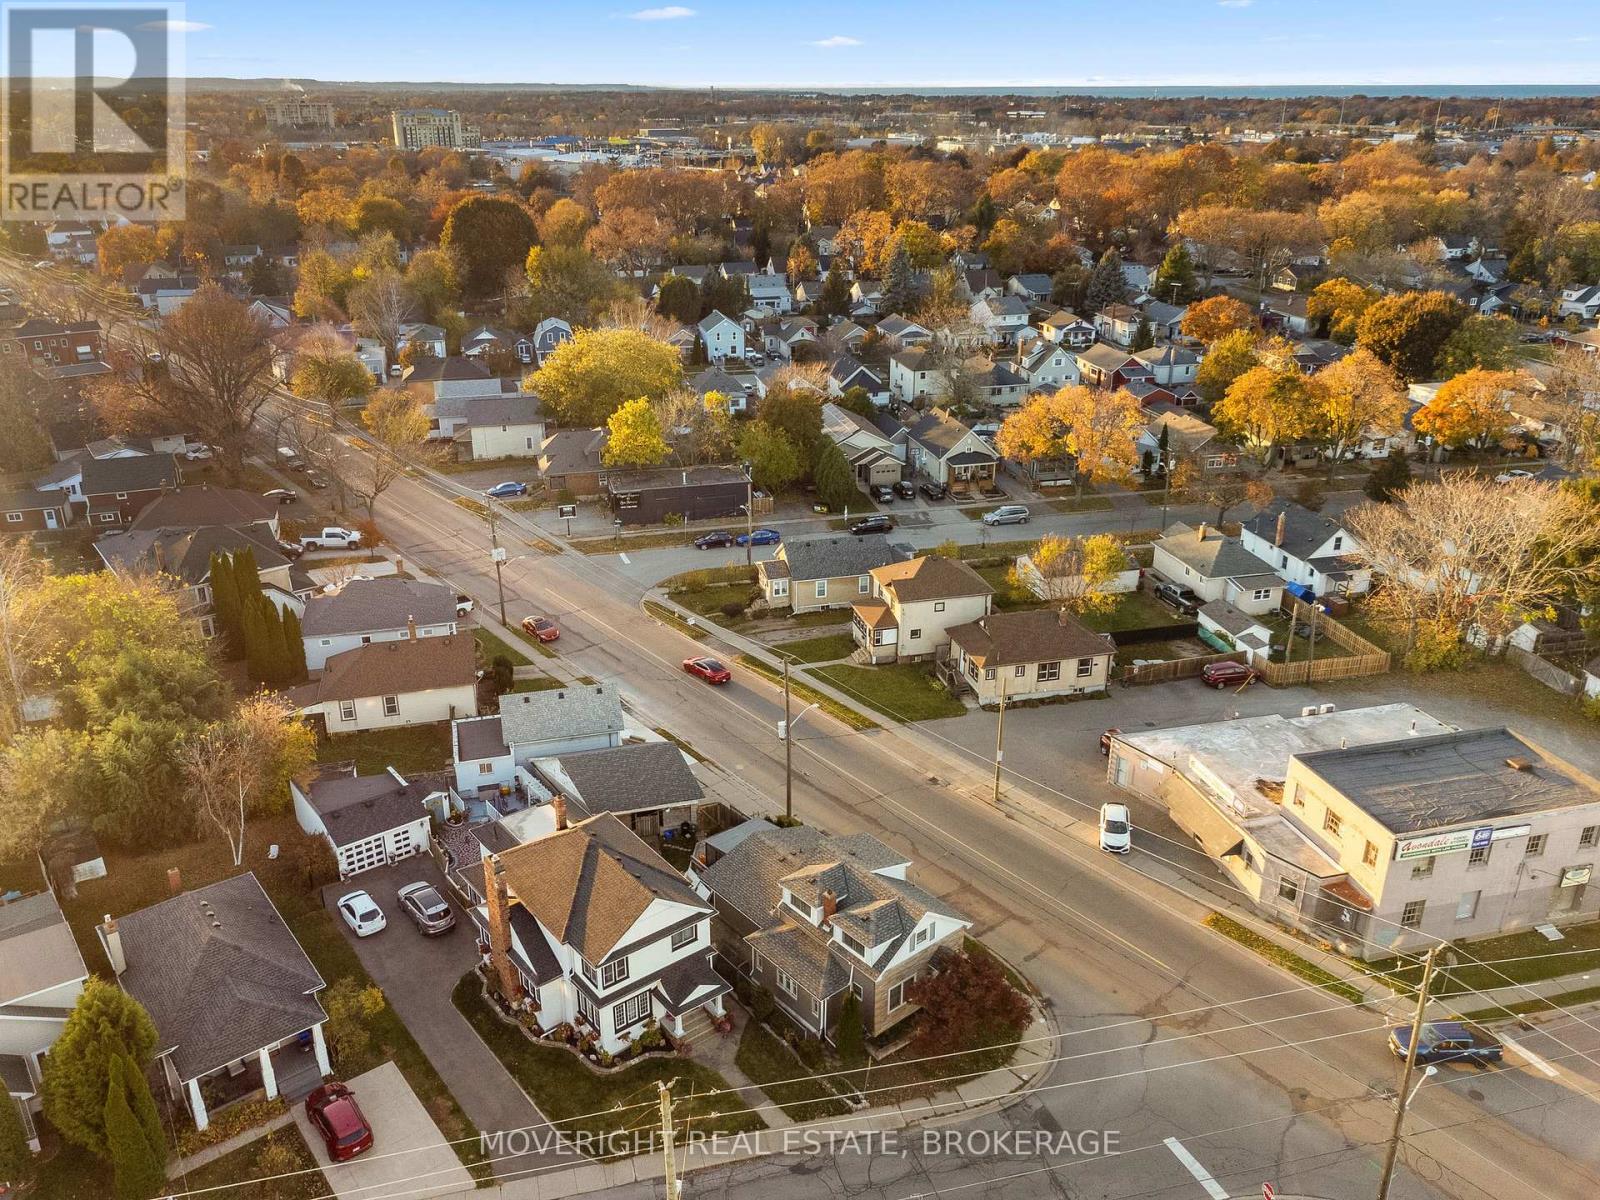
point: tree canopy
(586, 379)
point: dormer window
(853, 943)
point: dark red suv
(332, 1108)
(1221, 675)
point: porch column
(320, 1047)
(677, 1025)
(197, 1106)
(269, 1080)
(718, 1008)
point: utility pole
(1000, 735)
(499, 557)
(788, 749)
(666, 1139)
(1403, 1100)
(749, 517)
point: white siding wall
(320, 649)
(507, 441)
(415, 708)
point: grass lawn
(809, 695)
(278, 1153)
(1008, 597)
(901, 691)
(1134, 610)
(767, 1061)
(708, 600)
(70, 552)
(664, 614)
(636, 541)
(490, 644)
(1524, 957)
(1077, 504)
(817, 649)
(1006, 550)
(409, 749)
(541, 683)
(1538, 1004)
(1268, 949)
(565, 1090)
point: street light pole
(499, 559)
(1000, 735)
(788, 749)
(1405, 1094)
(749, 517)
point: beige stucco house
(914, 604)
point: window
(1288, 890)
(897, 995)
(1332, 822)
(108, 518)
(326, 642)
(864, 584)
(786, 982)
(816, 1008)
(1589, 836)
(391, 706)
(1467, 906)
(1295, 798)
(853, 943)
(780, 587)
(915, 634)
(486, 768)
(1049, 672)
(686, 937)
(857, 990)
(122, 495)
(587, 1011)
(938, 606)
(1085, 668)
(1535, 846)
(1369, 855)
(921, 939)
(1422, 868)
(1338, 541)
(1019, 671)
(588, 971)
(988, 672)
(347, 710)
(822, 589)
(1261, 594)
(14, 517)
(614, 972)
(1411, 914)
(1478, 857)
(631, 1011)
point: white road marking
(1192, 1164)
(625, 558)
(1533, 1059)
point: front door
(50, 519)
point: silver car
(1007, 514)
(422, 903)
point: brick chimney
(113, 942)
(1277, 538)
(1200, 534)
(497, 910)
(830, 905)
(411, 627)
(558, 807)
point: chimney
(830, 905)
(1277, 539)
(174, 881)
(558, 806)
(411, 627)
(113, 941)
(497, 911)
(1200, 534)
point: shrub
(810, 1051)
(848, 1033)
(503, 673)
(1437, 647)
(1311, 494)
(762, 1005)
(672, 519)
(349, 1007)
(734, 608)
(967, 1006)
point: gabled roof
(1167, 355)
(1213, 555)
(392, 669)
(367, 605)
(831, 556)
(937, 431)
(511, 408)
(560, 714)
(846, 369)
(588, 884)
(712, 319)
(37, 949)
(931, 577)
(1304, 531)
(143, 473)
(437, 370)
(1106, 357)
(1038, 635)
(636, 777)
(193, 507)
(356, 807)
(185, 554)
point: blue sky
(895, 42)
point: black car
(1179, 597)
(934, 491)
(1447, 1041)
(883, 493)
(315, 479)
(905, 490)
(877, 523)
(714, 540)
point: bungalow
(1033, 654)
(365, 611)
(370, 821)
(1068, 329)
(994, 383)
(204, 506)
(781, 339)
(866, 299)
(1297, 277)
(450, 383)
(429, 339)
(1170, 365)
(769, 291)
(846, 372)
(165, 295)
(1287, 312)
(1582, 302)
(721, 336)
(809, 574)
(486, 339)
(846, 333)
(901, 333)
(736, 389)
(941, 448)
(815, 918)
(874, 456)
(1217, 567)
(489, 752)
(1106, 366)
(547, 335)
(1166, 320)
(41, 977)
(232, 995)
(1189, 439)
(28, 510)
(1047, 365)
(1032, 288)
(180, 561)
(913, 605)
(389, 684)
(1118, 323)
(649, 786)
(1307, 548)
(506, 426)
(569, 461)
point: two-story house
(822, 571)
(1170, 365)
(914, 375)
(589, 926)
(113, 491)
(1032, 288)
(364, 611)
(1068, 329)
(722, 337)
(510, 425)
(450, 384)
(1000, 317)
(913, 605)
(1118, 323)
(547, 335)
(814, 918)
(42, 343)
(1582, 302)
(41, 977)
(1047, 365)
(847, 372)
(179, 559)
(941, 448)
(1307, 548)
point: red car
(542, 628)
(332, 1108)
(708, 669)
(1221, 675)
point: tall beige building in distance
(415, 128)
(299, 114)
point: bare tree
(397, 429)
(234, 765)
(22, 623)
(633, 311)
(1572, 390)
(381, 307)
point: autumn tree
(634, 436)
(793, 406)
(967, 1005)
(564, 223)
(1354, 395)
(1096, 428)
(323, 282)
(240, 767)
(567, 281)
(1338, 305)
(1267, 407)
(381, 306)
(1214, 318)
(588, 378)
(864, 238)
(1471, 409)
(1225, 492)
(1266, 241)
(1409, 331)
(27, 445)
(774, 459)
(327, 369)
(397, 428)
(1486, 343)
(487, 236)
(433, 278)
(127, 245)
(1073, 573)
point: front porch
(876, 631)
(290, 1070)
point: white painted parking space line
(624, 558)
(1192, 1164)
(1533, 1059)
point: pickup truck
(332, 538)
(464, 604)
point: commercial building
(299, 114)
(1379, 829)
(416, 128)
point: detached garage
(370, 820)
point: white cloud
(672, 12)
(837, 40)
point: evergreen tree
(136, 1173)
(830, 472)
(253, 634)
(1388, 477)
(1175, 278)
(16, 1160)
(899, 281)
(1143, 336)
(145, 1110)
(294, 644)
(835, 300)
(225, 601)
(106, 1023)
(1107, 285)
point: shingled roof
(1040, 635)
(366, 605)
(391, 669)
(623, 779)
(931, 577)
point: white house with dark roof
(41, 977)
(510, 425)
(1217, 567)
(1170, 364)
(392, 683)
(649, 786)
(370, 821)
(809, 574)
(1307, 548)
(1000, 317)
(846, 372)
(722, 337)
(364, 611)
(489, 752)
(902, 333)
(232, 995)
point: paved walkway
(718, 1051)
(210, 1154)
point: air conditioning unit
(1326, 709)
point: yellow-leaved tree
(1095, 427)
(1266, 407)
(634, 436)
(1073, 573)
(1473, 409)
(1358, 393)
(588, 378)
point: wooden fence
(1363, 658)
(1177, 668)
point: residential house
(1068, 329)
(649, 786)
(1170, 365)
(1297, 277)
(232, 995)
(814, 918)
(492, 338)
(722, 337)
(913, 605)
(180, 561)
(1058, 586)
(28, 510)
(165, 294)
(782, 339)
(822, 571)
(1288, 312)
(902, 334)
(1118, 323)
(866, 299)
(42, 343)
(1106, 366)
(1488, 269)
(1217, 567)
(510, 425)
(365, 611)
(1166, 320)
(1189, 439)
(874, 456)
(236, 258)
(1582, 302)
(1032, 654)
(547, 335)
(769, 291)
(204, 506)
(428, 339)
(1032, 288)
(570, 461)
(449, 384)
(915, 376)
(113, 491)
(993, 382)
(589, 926)
(846, 372)
(1228, 629)
(1307, 548)
(490, 752)
(369, 821)
(383, 685)
(1000, 317)
(846, 333)
(737, 389)
(1047, 365)
(41, 977)
(941, 448)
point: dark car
(1447, 1041)
(759, 537)
(281, 495)
(333, 1110)
(716, 539)
(542, 628)
(876, 523)
(1105, 740)
(315, 479)
(509, 488)
(290, 549)
(1175, 595)
(905, 490)
(1221, 675)
(708, 669)
(422, 903)
(883, 493)
(934, 491)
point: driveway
(408, 1152)
(417, 975)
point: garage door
(404, 847)
(362, 856)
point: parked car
(1512, 474)
(1221, 675)
(1447, 1041)
(332, 1110)
(509, 488)
(197, 453)
(361, 912)
(332, 537)
(464, 604)
(316, 479)
(281, 495)
(1175, 595)
(1105, 740)
(290, 458)
(934, 491)
(1007, 514)
(759, 537)
(1116, 828)
(542, 628)
(876, 523)
(714, 540)
(708, 669)
(422, 903)
(883, 493)
(290, 549)
(905, 490)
